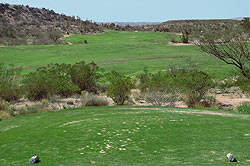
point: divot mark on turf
(10, 127)
(78, 121)
(73, 122)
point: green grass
(127, 135)
(127, 52)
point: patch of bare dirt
(224, 100)
(232, 99)
(181, 44)
(66, 35)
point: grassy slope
(128, 52)
(150, 137)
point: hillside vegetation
(27, 25)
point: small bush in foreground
(120, 87)
(93, 100)
(244, 108)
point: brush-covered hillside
(27, 25)
(173, 25)
(178, 25)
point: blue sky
(143, 10)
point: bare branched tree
(230, 46)
(54, 34)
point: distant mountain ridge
(131, 23)
(239, 18)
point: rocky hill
(177, 25)
(170, 26)
(17, 21)
(172, 23)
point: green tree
(85, 75)
(119, 88)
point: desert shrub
(5, 115)
(93, 100)
(36, 108)
(102, 88)
(160, 81)
(185, 82)
(9, 78)
(157, 98)
(4, 105)
(5, 111)
(207, 101)
(194, 86)
(244, 108)
(120, 87)
(225, 84)
(144, 80)
(48, 81)
(85, 76)
(159, 88)
(243, 84)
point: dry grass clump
(90, 99)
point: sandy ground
(181, 44)
(233, 100)
(227, 99)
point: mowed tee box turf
(126, 136)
